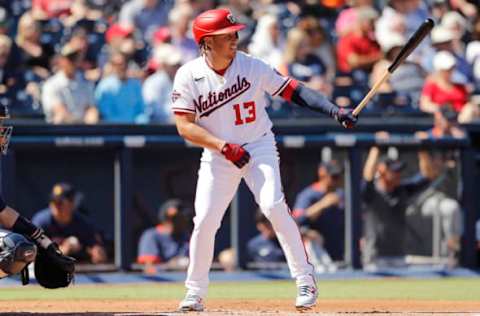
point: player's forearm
(425, 165)
(370, 164)
(200, 136)
(315, 210)
(313, 100)
(8, 217)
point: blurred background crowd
(90, 61)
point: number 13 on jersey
(245, 113)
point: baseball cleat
(191, 303)
(306, 297)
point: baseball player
(219, 104)
(21, 246)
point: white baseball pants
(218, 181)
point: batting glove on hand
(236, 154)
(346, 118)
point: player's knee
(274, 210)
(15, 253)
(206, 223)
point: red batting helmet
(215, 22)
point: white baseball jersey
(232, 106)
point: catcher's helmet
(16, 252)
(215, 22)
(5, 131)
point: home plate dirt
(239, 307)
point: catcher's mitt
(53, 269)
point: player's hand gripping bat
(412, 43)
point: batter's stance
(219, 103)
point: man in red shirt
(358, 49)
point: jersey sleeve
(182, 97)
(272, 81)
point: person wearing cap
(439, 89)
(158, 87)
(319, 209)
(445, 38)
(264, 247)
(386, 194)
(405, 84)
(67, 97)
(72, 230)
(118, 96)
(219, 103)
(35, 56)
(167, 242)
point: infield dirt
(237, 307)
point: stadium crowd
(90, 61)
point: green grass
(412, 289)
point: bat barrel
(413, 42)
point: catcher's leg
(217, 183)
(16, 252)
(263, 179)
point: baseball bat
(411, 44)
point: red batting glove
(236, 154)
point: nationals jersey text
(232, 106)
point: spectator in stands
(72, 230)
(440, 198)
(145, 15)
(157, 88)
(118, 97)
(401, 92)
(319, 210)
(47, 9)
(472, 53)
(404, 17)
(66, 96)
(35, 56)
(413, 11)
(87, 54)
(386, 196)
(466, 7)
(357, 49)
(320, 44)
(120, 39)
(300, 63)
(179, 20)
(439, 90)
(445, 124)
(438, 8)
(444, 39)
(10, 79)
(264, 247)
(267, 41)
(167, 243)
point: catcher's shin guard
(16, 252)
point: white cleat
(306, 297)
(191, 303)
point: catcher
(26, 243)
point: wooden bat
(411, 44)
